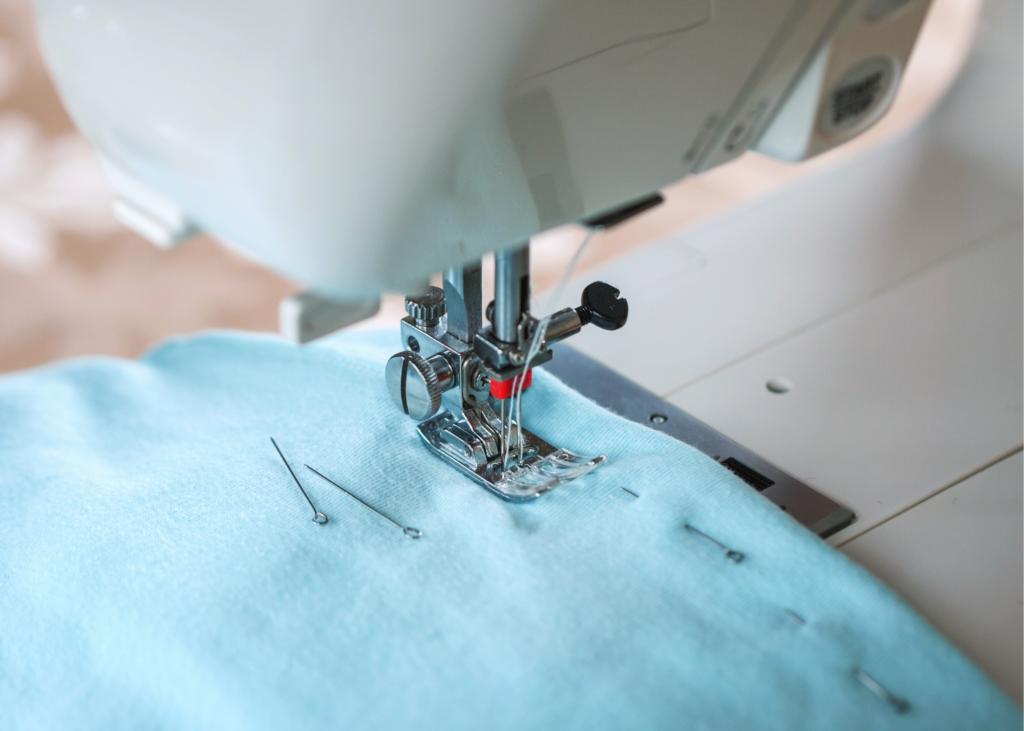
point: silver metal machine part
(416, 383)
(511, 291)
(426, 308)
(541, 469)
(453, 360)
(604, 386)
(463, 290)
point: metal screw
(658, 418)
(480, 379)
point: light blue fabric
(159, 569)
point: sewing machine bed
(621, 396)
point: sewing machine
(364, 148)
(356, 150)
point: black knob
(600, 304)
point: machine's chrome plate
(542, 469)
(597, 382)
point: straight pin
(797, 619)
(733, 556)
(900, 705)
(409, 531)
(629, 491)
(316, 513)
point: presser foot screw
(480, 380)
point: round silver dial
(413, 384)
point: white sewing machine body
(361, 147)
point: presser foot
(541, 469)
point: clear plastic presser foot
(541, 469)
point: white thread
(538, 337)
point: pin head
(900, 705)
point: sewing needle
(409, 531)
(316, 513)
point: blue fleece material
(160, 569)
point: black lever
(600, 304)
